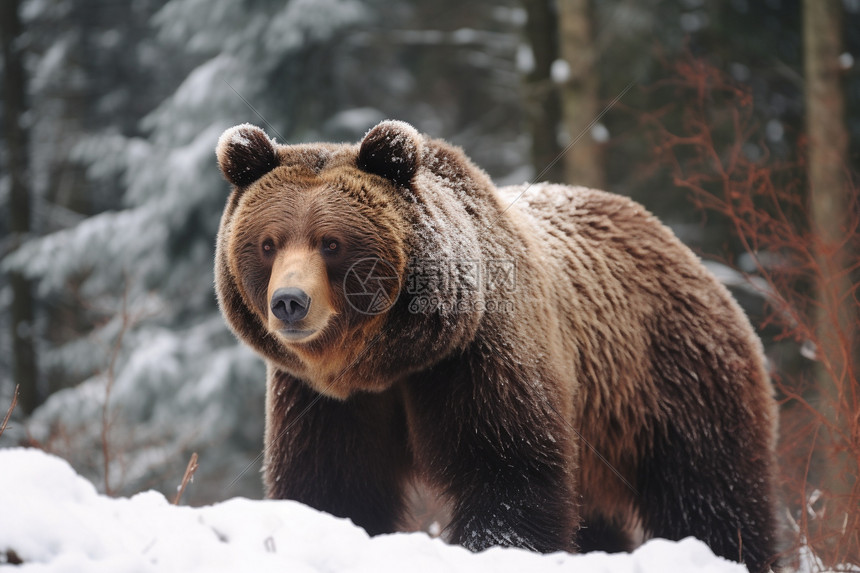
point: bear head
(313, 251)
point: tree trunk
(542, 98)
(583, 162)
(836, 316)
(14, 103)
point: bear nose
(290, 304)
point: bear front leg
(501, 455)
(347, 458)
(494, 506)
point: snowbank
(54, 520)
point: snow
(236, 136)
(599, 132)
(560, 71)
(239, 139)
(55, 520)
(525, 59)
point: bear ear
(245, 153)
(392, 150)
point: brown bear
(552, 359)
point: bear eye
(330, 245)
(268, 247)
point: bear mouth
(295, 334)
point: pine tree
(17, 156)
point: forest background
(737, 122)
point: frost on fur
(245, 153)
(392, 150)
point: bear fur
(603, 388)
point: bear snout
(290, 304)
(297, 278)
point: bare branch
(189, 474)
(9, 411)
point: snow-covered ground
(54, 520)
